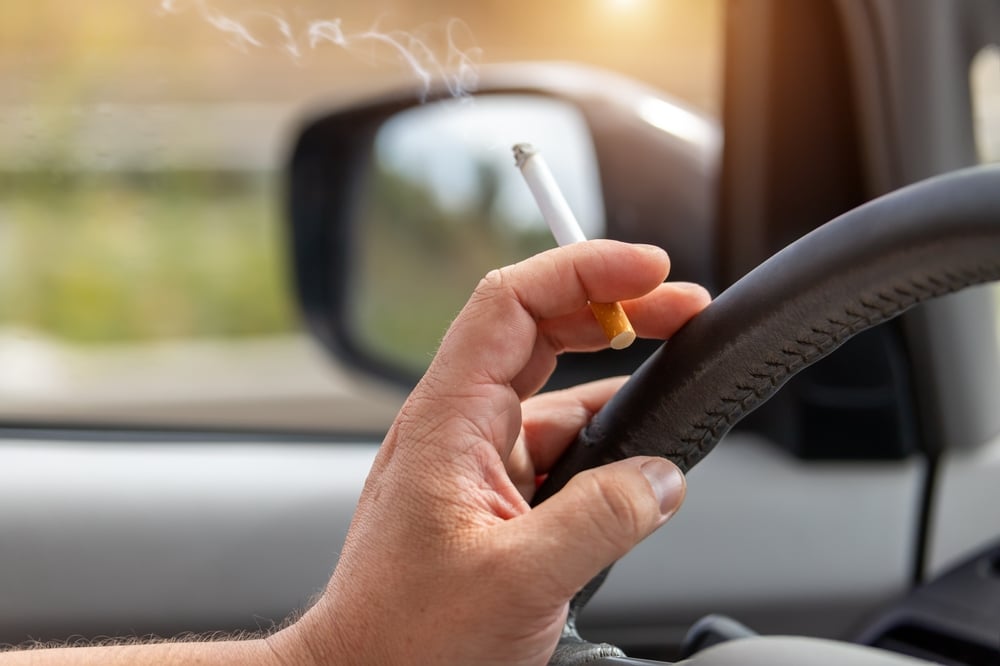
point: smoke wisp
(444, 53)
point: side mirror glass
(442, 204)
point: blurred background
(143, 268)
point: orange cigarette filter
(614, 321)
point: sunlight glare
(624, 5)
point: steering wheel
(858, 271)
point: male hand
(445, 563)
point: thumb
(598, 517)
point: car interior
(841, 207)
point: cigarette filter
(565, 228)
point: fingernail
(667, 483)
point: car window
(144, 278)
(984, 78)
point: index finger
(494, 337)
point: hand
(445, 563)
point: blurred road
(282, 383)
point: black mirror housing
(657, 161)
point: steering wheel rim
(855, 272)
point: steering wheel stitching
(855, 272)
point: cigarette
(558, 215)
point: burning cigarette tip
(522, 151)
(558, 215)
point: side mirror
(442, 204)
(399, 206)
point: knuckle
(618, 518)
(491, 283)
(497, 289)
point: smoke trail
(433, 53)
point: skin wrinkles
(444, 562)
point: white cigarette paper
(559, 216)
(555, 209)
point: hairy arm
(446, 562)
(252, 650)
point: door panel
(133, 537)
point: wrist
(312, 640)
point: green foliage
(418, 261)
(105, 258)
(102, 258)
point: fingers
(503, 345)
(599, 516)
(656, 316)
(552, 420)
(494, 337)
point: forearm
(307, 641)
(254, 652)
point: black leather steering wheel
(858, 271)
